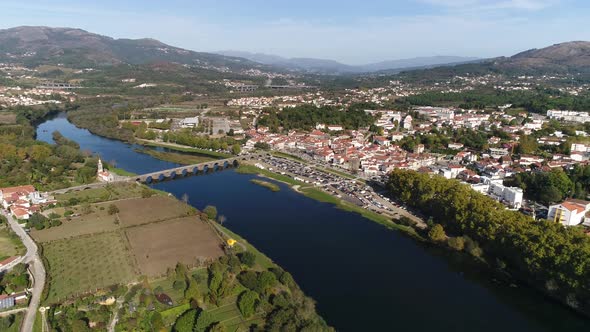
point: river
(363, 276)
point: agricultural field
(87, 263)
(7, 118)
(133, 212)
(108, 193)
(10, 245)
(97, 247)
(159, 246)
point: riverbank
(322, 196)
(178, 158)
(183, 148)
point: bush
(113, 209)
(211, 212)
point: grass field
(7, 118)
(15, 327)
(109, 193)
(159, 246)
(87, 263)
(10, 245)
(98, 221)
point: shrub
(248, 258)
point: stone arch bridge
(172, 173)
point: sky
(349, 31)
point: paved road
(36, 269)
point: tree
(236, 149)
(221, 219)
(247, 303)
(217, 327)
(113, 209)
(203, 321)
(192, 292)
(437, 233)
(186, 321)
(457, 243)
(247, 258)
(210, 211)
(185, 198)
(265, 280)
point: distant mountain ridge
(332, 66)
(78, 48)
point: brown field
(98, 221)
(7, 118)
(141, 211)
(160, 246)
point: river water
(363, 276)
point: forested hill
(565, 58)
(79, 49)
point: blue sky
(353, 32)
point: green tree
(192, 292)
(248, 258)
(203, 321)
(247, 303)
(437, 233)
(186, 321)
(210, 211)
(457, 243)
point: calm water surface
(363, 276)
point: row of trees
(307, 116)
(186, 137)
(545, 254)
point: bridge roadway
(169, 173)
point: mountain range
(335, 67)
(77, 48)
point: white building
(102, 174)
(571, 212)
(189, 122)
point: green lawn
(15, 327)
(87, 263)
(288, 156)
(108, 193)
(10, 244)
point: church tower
(100, 168)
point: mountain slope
(331, 66)
(79, 48)
(564, 58)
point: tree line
(545, 254)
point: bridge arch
(161, 177)
(184, 172)
(149, 179)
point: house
(455, 146)
(571, 212)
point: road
(36, 269)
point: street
(36, 269)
